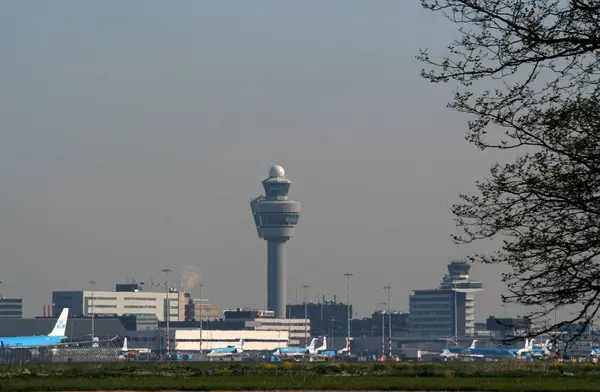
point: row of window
(11, 313)
(140, 298)
(430, 306)
(426, 298)
(429, 319)
(438, 313)
(277, 219)
(140, 306)
(417, 327)
(102, 298)
(6, 306)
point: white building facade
(119, 303)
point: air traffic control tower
(276, 217)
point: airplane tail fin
(324, 345)
(473, 344)
(60, 327)
(240, 345)
(125, 348)
(311, 346)
(547, 344)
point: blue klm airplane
(227, 351)
(54, 338)
(296, 351)
(473, 351)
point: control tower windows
(278, 219)
(276, 189)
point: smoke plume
(190, 278)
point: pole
(92, 283)
(333, 333)
(305, 287)
(167, 307)
(200, 293)
(382, 329)
(389, 292)
(455, 315)
(349, 275)
(1, 290)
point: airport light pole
(92, 284)
(1, 290)
(349, 275)
(305, 287)
(200, 294)
(382, 328)
(389, 294)
(167, 306)
(455, 315)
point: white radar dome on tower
(276, 171)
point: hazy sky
(134, 134)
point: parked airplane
(595, 354)
(318, 352)
(446, 354)
(543, 351)
(473, 351)
(54, 338)
(345, 350)
(131, 353)
(456, 352)
(227, 351)
(295, 351)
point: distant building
(326, 317)
(11, 308)
(253, 320)
(202, 308)
(131, 300)
(448, 310)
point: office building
(448, 310)
(202, 308)
(325, 317)
(126, 299)
(11, 308)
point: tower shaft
(276, 277)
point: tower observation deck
(276, 217)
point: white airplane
(131, 353)
(323, 347)
(542, 351)
(347, 348)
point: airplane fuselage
(291, 352)
(30, 341)
(223, 352)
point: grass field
(302, 376)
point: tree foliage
(527, 72)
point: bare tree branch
(544, 56)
